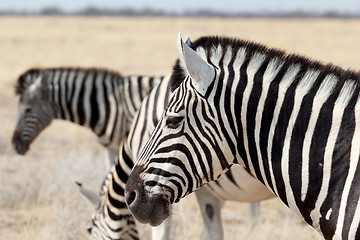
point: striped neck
(295, 127)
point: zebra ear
(199, 70)
(27, 79)
(89, 195)
(37, 82)
(188, 41)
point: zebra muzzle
(144, 206)
(20, 145)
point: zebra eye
(28, 109)
(173, 122)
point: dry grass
(38, 197)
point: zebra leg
(210, 207)
(162, 232)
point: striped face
(34, 114)
(123, 227)
(186, 149)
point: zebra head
(35, 112)
(97, 228)
(120, 225)
(97, 217)
(186, 149)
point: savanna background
(38, 196)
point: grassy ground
(38, 197)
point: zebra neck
(295, 124)
(115, 193)
(264, 89)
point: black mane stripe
(209, 42)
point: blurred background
(38, 197)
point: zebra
(236, 185)
(291, 121)
(99, 99)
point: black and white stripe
(291, 121)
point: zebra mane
(28, 77)
(209, 42)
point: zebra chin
(145, 206)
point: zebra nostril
(130, 198)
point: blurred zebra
(236, 185)
(99, 99)
(293, 122)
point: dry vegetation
(38, 197)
